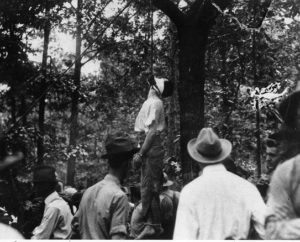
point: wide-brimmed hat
(119, 144)
(166, 181)
(10, 160)
(288, 107)
(208, 148)
(44, 173)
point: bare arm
(148, 141)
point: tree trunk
(172, 102)
(256, 84)
(13, 107)
(23, 107)
(42, 102)
(75, 98)
(192, 47)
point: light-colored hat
(208, 148)
(167, 182)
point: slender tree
(75, 95)
(42, 102)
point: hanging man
(151, 122)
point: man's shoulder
(8, 232)
(289, 169)
(58, 204)
(192, 186)
(289, 164)
(153, 102)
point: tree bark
(13, 107)
(75, 97)
(42, 102)
(171, 104)
(23, 107)
(192, 47)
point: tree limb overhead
(171, 10)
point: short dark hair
(118, 161)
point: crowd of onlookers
(218, 204)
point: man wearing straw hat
(283, 218)
(218, 204)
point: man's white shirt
(219, 205)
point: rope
(151, 13)
(64, 72)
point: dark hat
(288, 107)
(119, 144)
(10, 160)
(44, 173)
(208, 148)
(166, 181)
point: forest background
(73, 71)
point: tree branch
(171, 10)
(205, 10)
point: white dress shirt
(219, 205)
(151, 114)
(57, 218)
(7, 232)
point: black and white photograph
(149, 120)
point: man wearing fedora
(218, 204)
(57, 217)
(283, 218)
(104, 207)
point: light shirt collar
(214, 168)
(112, 178)
(53, 196)
(153, 94)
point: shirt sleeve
(119, 215)
(258, 209)
(48, 224)
(186, 226)
(154, 114)
(280, 207)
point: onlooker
(168, 202)
(104, 207)
(67, 195)
(218, 204)
(56, 222)
(283, 220)
(168, 205)
(7, 232)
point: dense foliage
(249, 60)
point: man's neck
(116, 173)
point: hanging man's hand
(137, 161)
